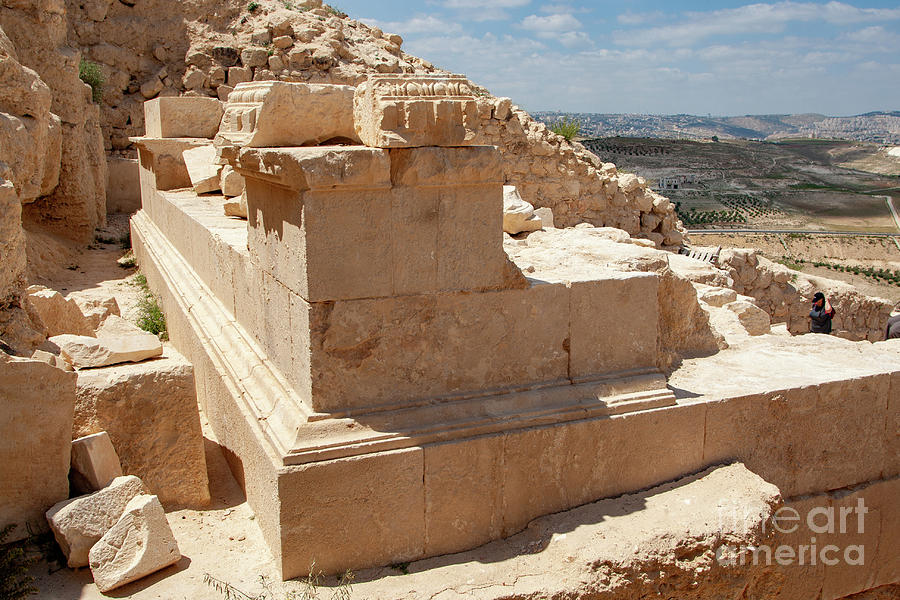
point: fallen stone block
(545, 214)
(51, 359)
(117, 341)
(202, 168)
(238, 208)
(36, 407)
(95, 306)
(150, 412)
(79, 523)
(754, 319)
(518, 215)
(94, 463)
(717, 296)
(232, 182)
(140, 543)
(59, 315)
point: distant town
(875, 127)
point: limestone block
(404, 111)
(96, 306)
(123, 188)
(150, 412)
(237, 208)
(52, 360)
(182, 117)
(94, 463)
(232, 183)
(254, 57)
(717, 296)
(12, 244)
(545, 214)
(202, 168)
(615, 331)
(390, 530)
(36, 407)
(389, 350)
(140, 543)
(277, 113)
(518, 215)
(117, 341)
(59, 315)
(161, 164)
(79, 523)
(754, 319)
(238, 75)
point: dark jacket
(821, 320)
(893, 328)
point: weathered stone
(150, 412)
(94, 463)
(140, 543)
(232, 183)
(753, 318)
(716, 296)
(51, 359)
(545, 214)
(182, 117)
(117, 341)
(238, 75)
(202, 168)
(404, 111)
(264, 114)
(36, 404)
(95, 306)
(80, 522)
(283, 41)
(518, 215)
(59, 315)
(254, 57)
(237, 208)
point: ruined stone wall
(786, 295)
(75, 205)
(207, 47)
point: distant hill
(876, 127)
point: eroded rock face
(72, 145)
(140, 543)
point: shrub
(566, 127)
(150, 316)
(253, 7)
(91, 74)
(15, 583)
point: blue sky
(650, 56)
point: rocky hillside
(206, 47)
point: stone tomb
(366, 351)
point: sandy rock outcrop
(77, 204)
(140, 543)
(79, 523)
(35, 441)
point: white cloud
(418, 24)
(484, 10)
(551, 23)
(631, 18)
(752, 18)
(574, 39)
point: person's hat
(818, 296)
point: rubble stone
(94, 463)
(117, 341)
(80, 522)
(202, 168)
(140, 543)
